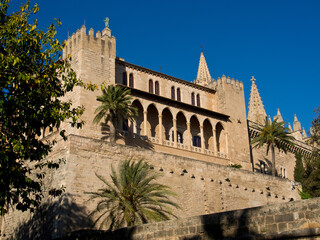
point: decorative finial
(201, 48)
(106, 22)
(253, 79)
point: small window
(124, 79)
(172, 93)
(150, 86)
(157, 88)
(178, 94)
(196, 141)
(192, 99)
(198, 100)
(131, 80)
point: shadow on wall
(224, 226)
(129, 140)
(265, 167)
(146, 144)
(60, 217)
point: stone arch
(195, 131)
(208, 135)
(220, 138)
(167, 122)
(181, 127)
(152, 121)
(138, 126)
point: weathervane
(106, 22)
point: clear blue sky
(277, 41)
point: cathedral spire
(278, 117)
(256, 109)
(203, 76)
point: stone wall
(294, 220)
(202, 187)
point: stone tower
(93, 59)
(256, 112)
(230, 101)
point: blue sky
(277, 41)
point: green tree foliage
(274, 135)
(115, 106)
(133, 197)
(33, 80)
(299, 169)
(311, 184)
(315, 129)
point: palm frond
(133, 197)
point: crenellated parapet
(227, 81)
(81, 40)
(92, 55)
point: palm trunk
(112, 132)
(273, 160)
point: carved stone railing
(182, 146)
(167, 143)
(154, 140)
(196, 149)
(170, 143)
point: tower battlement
(236, 84)
(92, 55)
(81, 40)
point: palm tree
(115, 105)
(274, 135)
(133, 197)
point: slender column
(175, 135)
(160, 128)
(188, 136)
(202, 139)
(214, 142)
(145, 122)
(227, 147)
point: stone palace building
(191, 132)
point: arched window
(198, 100)
(124, 79)
(172, 93)
(192, 99)
(157, 88)
(196, 141)
(150, 86)
(131, 80)
(178, 94)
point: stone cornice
(162, 75)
